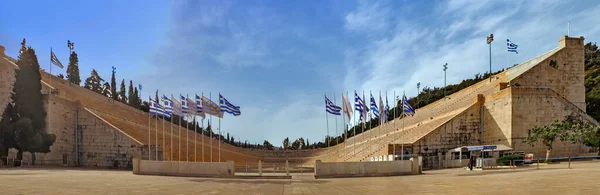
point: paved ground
(551, 179)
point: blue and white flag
(184, 105)
(359, 106)
(54, 59)
(140, 86)
(228, 107)
(511, 46)
(167, 104)
(374, 107)
(381, 109)
(331, 108)
(156, 109)
(406, 108)
(387, 110)
(199, 107)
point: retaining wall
(175, 168)
(366, 169)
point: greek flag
(184, 105)
(381, 109)
(406, 108)
(511, 46)
(228, 107)
(54, 59)
(374, 108)
(140, 87)
(387, 110)
(199, 107)
(332, 108)
(167, 104)
(156, 109)
(359, 105)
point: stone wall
(541, 106)
(564, 72)
(462, 130)
(96, 143)
(60, 121)
(102, 145)
(497, 114)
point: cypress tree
(73, 69)
(122, 93)
(131, 101)
(136, 97)
(113, 85)
(28, 103)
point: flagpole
(50, 76)
(156, 136)
(219, 139)
(370, 132)
(354, 135)
(171, 123)
(164, 145)
(187, 132)
(202, 129)
(380, 119)
(149, 142)
(202, 123)
(365, 120)
(403, 99)
(211, 137)
(179, 134)
(396, 108)
(327, 139)
(195, 138)
(344, 122)
(336, 126)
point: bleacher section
(463, 108)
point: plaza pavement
(583, 178)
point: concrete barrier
(367, 169)
(175, 168)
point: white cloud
(406, 56)
(370, 16)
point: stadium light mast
(490, 39)
(445, 68)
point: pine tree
(130, 97)
(94, 82)
(123, 92)
(73, 69)
(107, 90)
(113, 85)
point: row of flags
(200, 106)
(363, 110)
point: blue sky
(276, 59)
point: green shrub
(505, 160)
